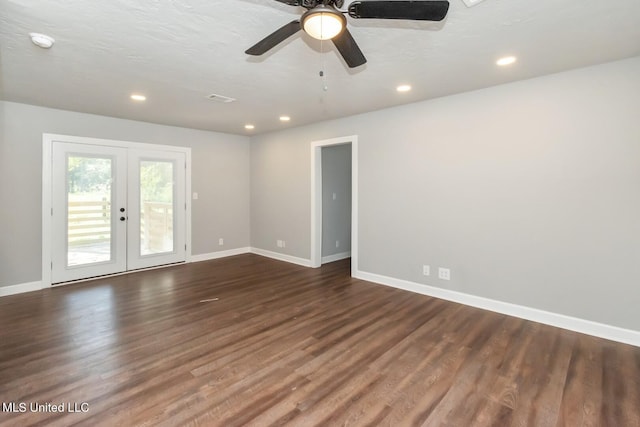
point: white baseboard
(335, 257)
(583, 326)
(282, 257)
(20, 288)
(220, 254)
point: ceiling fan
(324, 20)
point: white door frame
(47, 191)
(316, 198)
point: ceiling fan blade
(416, 10)
(349, 49)
(290, 2)
(274, 38)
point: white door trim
(316, 198)
(47, 157)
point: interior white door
(89, 189)
(115, 209)
(157, 208)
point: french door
(115, 209)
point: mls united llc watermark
(66, 407)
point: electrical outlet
(337, 243)
(426, 270)
(284, 244)
(444, 273)
(221, 241)
(195, 196)
(334, 196)
(279, 243)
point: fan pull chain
(322, 67)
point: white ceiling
(177, 52)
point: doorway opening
(334, 200)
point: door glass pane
(156, 207)
(88, 209)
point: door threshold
(122, 273)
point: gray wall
(280, 195)
(529, 192)
(220, 174)
(336, 214)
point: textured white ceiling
(177, 52)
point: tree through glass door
(156, 207)
(89, 209)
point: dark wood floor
(286, 344)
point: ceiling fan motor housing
(310, 4)
(323, 22)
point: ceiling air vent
(471, 3)
(220, 98)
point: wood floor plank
(278, 344)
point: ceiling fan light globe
(323, 23)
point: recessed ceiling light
(249, 127)
(42, 40)
(138, 97)
(507, 60)
(403, 88)
(285, 118)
